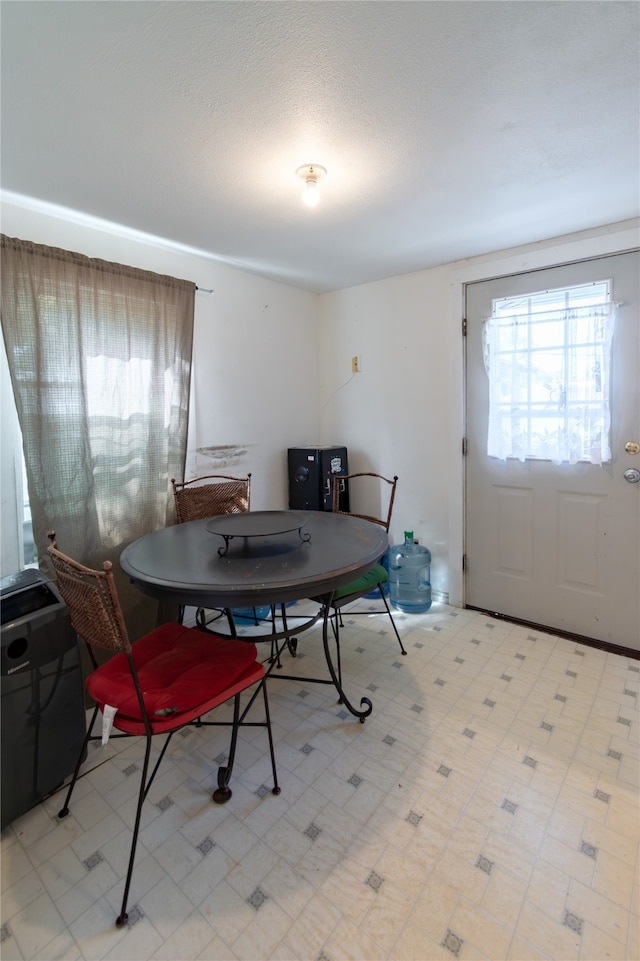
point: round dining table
(259, 558)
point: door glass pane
(547, 355)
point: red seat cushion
(178, 668)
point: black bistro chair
(372, 490)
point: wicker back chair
(196, 499)
(167, 679)
(377, 493)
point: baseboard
(578, 638)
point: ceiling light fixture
(311, 174)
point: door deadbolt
(632, 475)
(632, 447)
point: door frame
(616, 238)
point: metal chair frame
(338, 482)
(97, 617)
(336, 604)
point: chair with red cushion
(158, 684)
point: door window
(547, 355)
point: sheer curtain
(100, 363)
(549, 377)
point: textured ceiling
(448, 129)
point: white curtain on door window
(549, 382)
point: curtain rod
(205, 290)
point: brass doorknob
(632, 447)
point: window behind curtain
(100, 362)
(547, 355)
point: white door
(547, 540)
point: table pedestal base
(335, 674)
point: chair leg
(393, 623)
(276, 647)
(231, 621)
(274, 654)
(292, 642)
(276, 787)
(159, 761)
(123, 916)
(65, 808)
(223, 792)
(203, 623)
(336, 623)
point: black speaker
(311, 473)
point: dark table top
(182, 563)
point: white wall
(394, 415)
(255, 382)
(404, 413)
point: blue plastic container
(250, 615)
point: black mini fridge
(311, 473)
(42, 697)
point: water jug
(410, 576)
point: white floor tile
(487, 808)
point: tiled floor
(488, 808)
